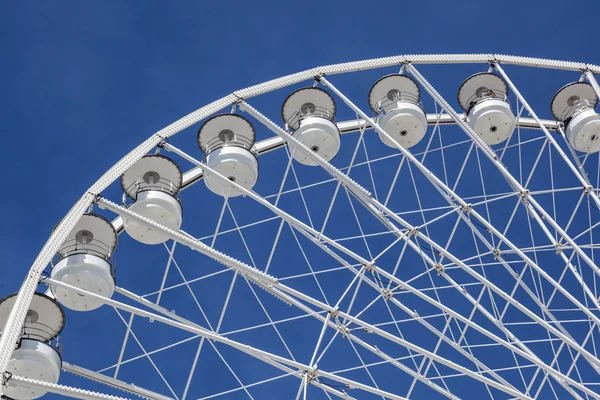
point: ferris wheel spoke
(485, 278)
(475, 326)
(368, 162)
(437, 131)
(202, 340)
(230, 369)
(248, 386)
(506, 297)
(587, 338)
(271, 322)
(518, 132)
(531, 202)
(130, 322)
(362, 130)
(365, 367)
(189, 289)
(145, 353)
(409, 311)
(352, 338)
(152, 352)
(558, 149)
(487, 215)
(430, 363)
(224, 308)
(543, 306)
(530, 206)
(123, 346)
(270, 358)
(347, 333)
(572, 217)
(520, 307)
(401, 342)
(310, 222)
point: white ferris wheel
(350, 231)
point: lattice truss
(450, 270)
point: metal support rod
(312, 234)
(246, 270)
(61, 389)
(17, 315)
(573, 168)
(115, 383)
(234, 264)
(531, 204)
(433, 244)
(202, 332)
(328, 241)
(592, 81)
(592, 359)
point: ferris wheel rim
(160, 136)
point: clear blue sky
(84, 82)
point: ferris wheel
(417, 226)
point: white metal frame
(406, 232)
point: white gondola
(153, 183)
(574, 105)
(227, 140)
(484, 99)
(85, 261)
(38, 351)
(310, 114)
(396, 101)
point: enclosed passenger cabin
(396, 101)
(310, 114)
(574, 106)
(153, 183)
(37, 354)
(484, 99)
(227, 141)
(85, 261)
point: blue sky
(84, 82)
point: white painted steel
(237, 164)
(583, 132)
(34, 360)
(492, 120)
(16, 317)
(318, 134)
(45, 318)
(112, 382)
(101, 242)
(152, 172)
(304, 102)
(403, 121)
(218, 338)
(595, 362)
(226, 129)
(158, 206)
(36, 384)
(85, 271)
(352, 185)
(471, 89)
(567, 97)
(264, 146)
